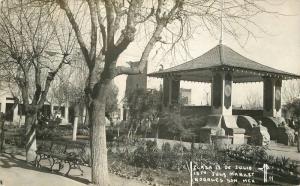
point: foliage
(28, 35)
(173, 125)
(14, 135)
(167, 160)
(118, 27)
(83, 130)
(257, 156)
(290, 91)
(166, 147)
(52, 131)
(144, 103)
(253, 101)
(144, 108)
(146, 155)
(29, 42)
(292, 109)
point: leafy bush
(14, 135)
(146, 155)
(46, 132)
(166, 147)
(178, 148)
(173, 125)
(83, 130)
(257, 156)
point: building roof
(221, 57)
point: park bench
(60, 152)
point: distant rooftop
(221, 57)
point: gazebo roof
(223, 58)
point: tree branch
(93, 47)
(128, 33)
(38, 87)
(162, 21)
(145, 55)
(102, 27)
(110, 18)
(64, 5)
(49, 80)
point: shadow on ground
(9, 160)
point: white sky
(280, 49)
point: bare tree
(253, 101)
(26, 35)
(114, 25)
(68, 89)
(291, 91)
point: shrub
(48, 131)
(14, 135)
(83, 130)
(146, 155)
(178, 148)
(257, 156)
(166, 147)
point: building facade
(49, 110)
(185, 96)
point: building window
(21, 110)
(9, 113)
(62, 110)
(46, 111)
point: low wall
(196, 110)
(206, 110)
(187, 145)
(256, 114)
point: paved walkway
(15, 172)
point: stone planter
(221, 142)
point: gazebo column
(221, 90)
(272, 119)
(222, 124)
(272, 97)
(171, 92)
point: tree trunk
(157, 130)
(118, 132)
(1, 131)
(87, 118)
(98, 145)
(136, 129)
(30, 124)
(129, 131)
(84, 115)
(75, 123)
(298, 145)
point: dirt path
(15, 172)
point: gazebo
(221, 66)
